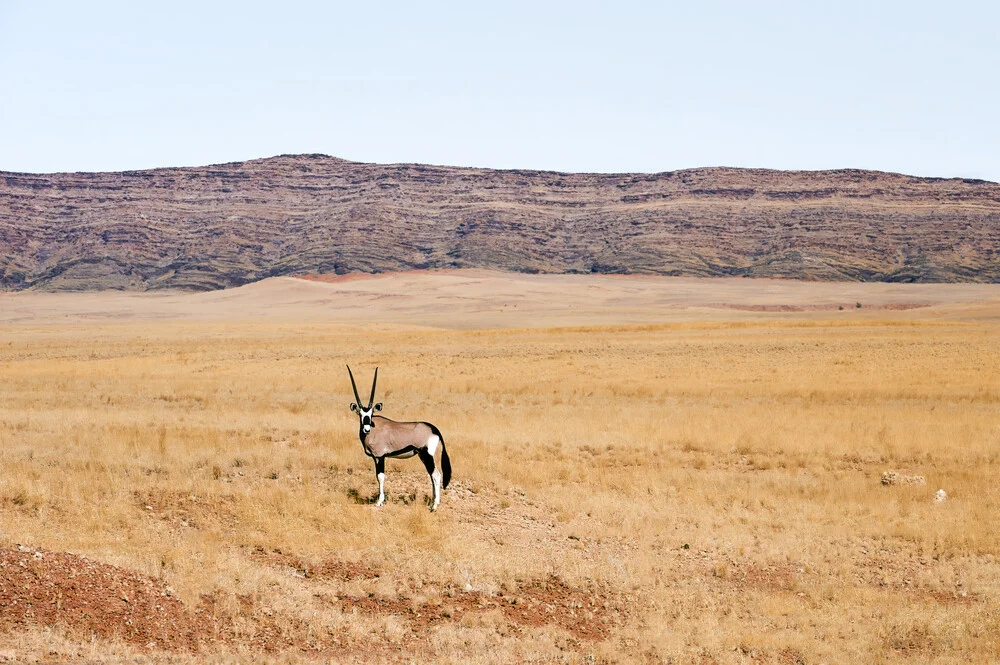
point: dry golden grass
(714, 484)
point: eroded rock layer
(225, 225)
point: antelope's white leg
(436, 487)
(380, 474)
(434, 466)
(381, 489)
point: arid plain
(646, 469)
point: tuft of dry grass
(669, 493)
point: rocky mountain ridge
(230, 224)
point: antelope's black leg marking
(430, 463)
(427, 459)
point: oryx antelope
(383, 438)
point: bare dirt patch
(86, 597)
(329, 570)
(765, 577)
(185, 509)
(587, 614)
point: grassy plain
(695, 490)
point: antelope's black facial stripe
(366, 419)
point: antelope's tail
(445, 465)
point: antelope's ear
(378, 407)
(354, 407)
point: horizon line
(320, 155)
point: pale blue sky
(585, 86)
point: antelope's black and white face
(365, 413)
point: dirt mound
(88, 598)
(40, 587)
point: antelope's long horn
(354, 385)
(371, 400)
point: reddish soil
(587, 614)
(887, 572)
(330, 570)
(88, 598)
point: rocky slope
(219, 226)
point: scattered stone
(893, 478)
(940, 496)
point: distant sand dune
(484, 299)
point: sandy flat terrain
(484, 299)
